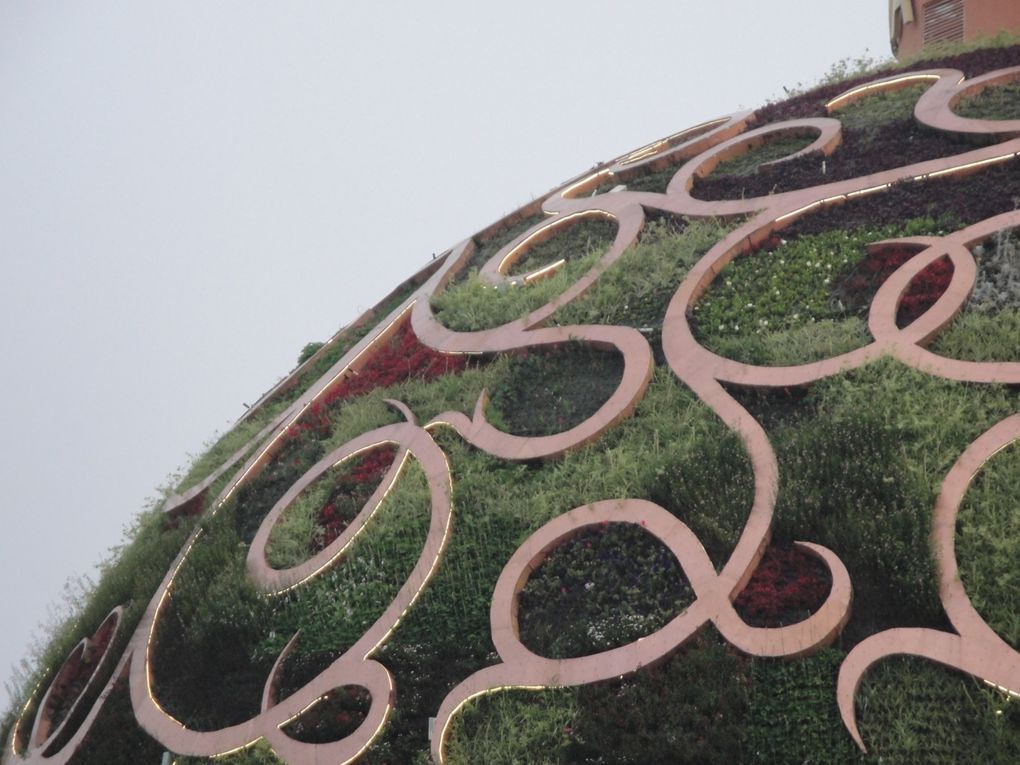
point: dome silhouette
(708, 455)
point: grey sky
(189, 192)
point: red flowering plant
(786, 588)
(351, 490)
(401, 358)
(861, 284)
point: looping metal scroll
(976, 649)
(522, 668)
(354, 667)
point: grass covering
(999, 102)
(750, 162)
(988, 537)
(472, 304)
(873, 111)
(794, 302)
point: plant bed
(218, 638)
(856, 290)
(997, 284)
(953, 201)
(325, 509)
(642, 179)
(778, 293)
(336, 607)
(204, 671)
(636, 289)
(401, 359)
(75, 682)
(999, 102)
(792, 715)
(787, 587)
(471, 304)
(987, 538)
(688, 711)
(913, 710)
(550, 390)
(333, 717)
(589, 237)
(116, 738)
(879, 109)
(299, 669)
(863, 152)
(750, 162)
(601, 589)
(485, 249)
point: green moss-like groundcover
(861, 457)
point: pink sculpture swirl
(56, 743)
(976, 649)
(354, 667)
(522, 668)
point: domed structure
(708, 456)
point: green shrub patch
(988, 537)
(601, 589)
(550, 390)
(818, 279)
(325, 509)
(588, 237)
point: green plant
(320, 513)
(259, 753)
(472, 304)
(912, 710)
(751, 161)
(601, 589)
(573, 241)
(999, 102)
(981, 337)
(878, 109)
(514, 727)
(335, 609)
(308, 351)
(116, 738)
(997, 284)
(333, 717)
(546, 391)
(792, 715)
(636, 289)
(486, 248)
(688, 710)
(789, 287)
(987, 540)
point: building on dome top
(917, 24)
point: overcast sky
(190, 192)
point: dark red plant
(402, 358)
(787, 587)
(351, 491)
(860, 286)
